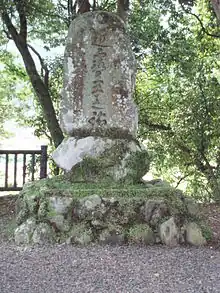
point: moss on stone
(118, 210)
(203, 225)
(206, 231)
(43, 210)
(112, 235)
(141, 233)
(120, 162)
(57, 187)
(113, 132)
(22, 216)
(138, 165)
(81, 234)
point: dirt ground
(211, 213)
(7, 217)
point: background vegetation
(177, 45)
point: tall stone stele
(98, 114)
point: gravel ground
(100, 269)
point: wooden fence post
(43, 162)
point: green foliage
(206, 231)
(178, 94)
(141, 233)
(12, 100)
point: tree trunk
(214, 184)
(215, 187)
(122, 9)
(43, 95)
(216, 8)
(40, 87)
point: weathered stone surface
(113, 213)
(114, 158)
(59, 205)
(23, 233)
(141, 233)
(98, 224)
(66, 158)
(122, 214)
(192, 207)
(32, 202)
(97, 110)
(80, 234)
(155, 183)
(43, 234)
(22, 216)
(43, 210)
(87, 206)
(120, 160)
(59, 223)
(111, 237)
(113, 202)
(153, 210)
(194, 235)
(99, 78)
(169, 233)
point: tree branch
(43, 65)
(155, 126)
(183, 178)
(11, 28)
(7, 34)
(200, 22)
(20, 6)
(71, 9)
(218, 159)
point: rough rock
(111, 237)
(98, 224)
(194, 235)
(59, 223)
(192, 207)
(155, 183)
(43, 210)
(80, 234)
(43, 234)
(113, 202)
(99, 159)
(97, 110)
(153, 210)
(169, 232)
(141, 233)
(23, 233)
(81, 213)
(87, 146)
(88, 205)
(22, 216)
(60, 205)
(122, 214)
(32, 202)
(99, 78)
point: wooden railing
(32, 163)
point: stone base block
(95, 159)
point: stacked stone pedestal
(57, 210)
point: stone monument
(98, 113)
(100, 121)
